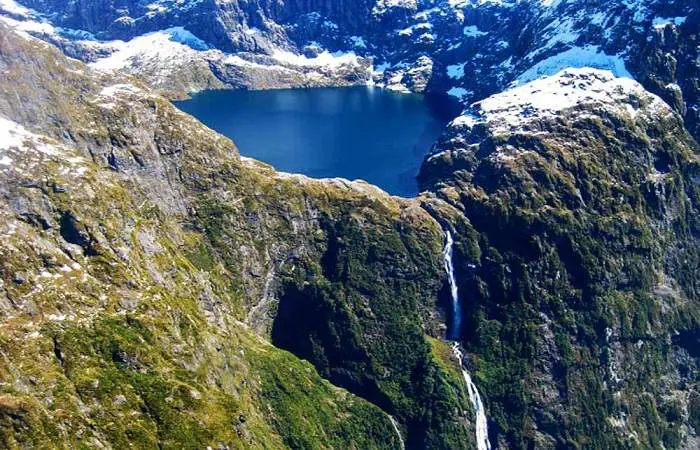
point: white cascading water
(398, 432)
(449, 268)
(482, 432)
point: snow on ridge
(503, 3)
(660, 23)
(323, 59)
(27, 22)
(20, 149)
(171, 45)
(236, 60)
(549, 97)
(12, 7)
(576, 57)
(27, 26)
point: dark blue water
(357, 132)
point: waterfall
(454, 329)
(398, 432)
(482, 432)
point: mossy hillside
(173, 245)
(328, 418)
(134, 346)
(362, 335)
(586, 270)
(112, 385)
(356, 275)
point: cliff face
(143, 260)
(668, 64)
(219, 22)
(579, 263)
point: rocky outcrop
(577, 258)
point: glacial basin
(353, 132)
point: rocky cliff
(579, 261)
(144, 264)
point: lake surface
(357, 132)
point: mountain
(145, 261)
(468, 48)
(579, 260)
(159, 290)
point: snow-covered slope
(468, 49)
(584, 90)
(572, 95)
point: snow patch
(323, 59)
(548, 97)
(358, 42)
(455, 71)
(660, 23)
(12, 7)
(21, 149)
(29, 26)
(171, 47)
(111, 91)
(472, 31)
(459, 92)
(576, 57)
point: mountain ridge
(482, 48)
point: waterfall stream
(482, 432)
(454, 329)
(398, 432)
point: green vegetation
(156, 290)
(144, 265)
(587, 269)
